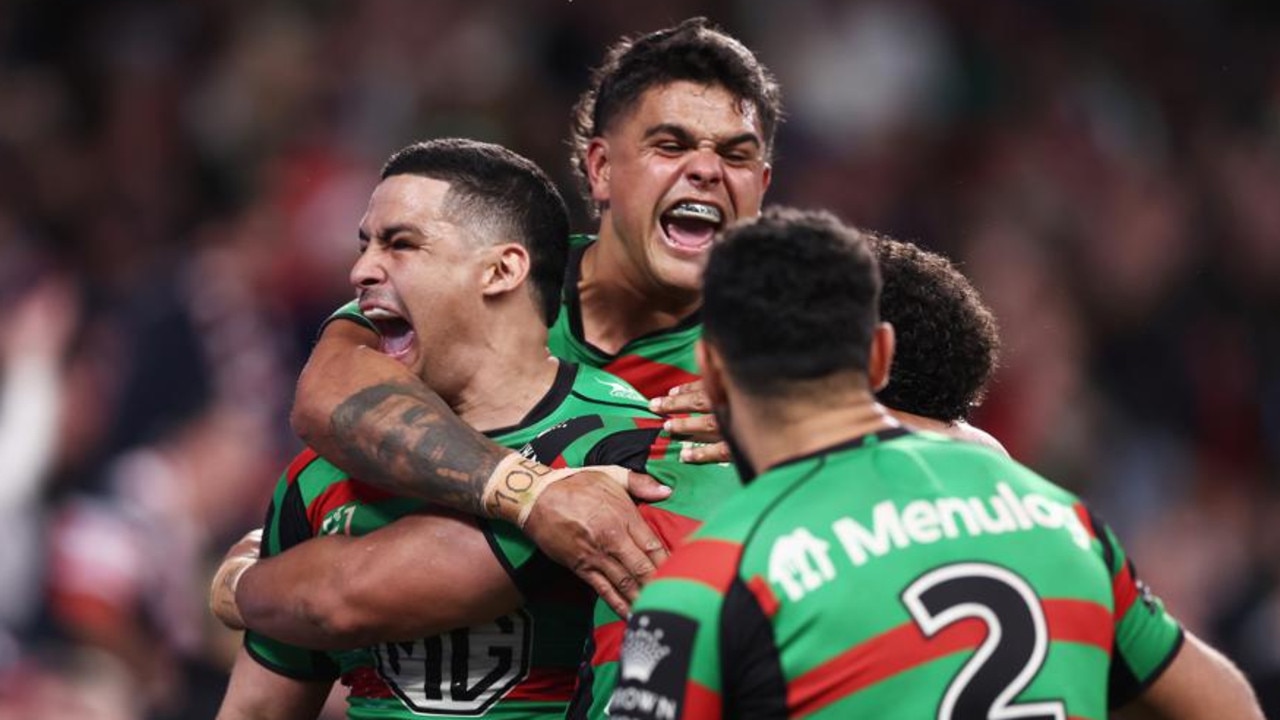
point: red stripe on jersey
(559, 463)
(764, 595)
(1082, 513)
(905, 647)
(658, 449)
(545, 685)
(1124, 590)
(339, 494)
(673, 528)
(365, 682)
(300, 463)
(608, 641)
(875, 659)
(649, 377)
(710, 562)
(701, 702)
(1079, 621)
(644, 423)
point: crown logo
(642, 650)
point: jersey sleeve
(1147, 637)
(349, 311)
(287, 525)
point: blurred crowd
(180, 185)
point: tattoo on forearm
(404, 438)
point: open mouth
(395, 332)
(691, 226)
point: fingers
(699, 428)
(644, 487)
(687, 398)
(590, 526)
(654, 549)
(606, 591)
(696, 454)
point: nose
(705, 167)
(367, 271)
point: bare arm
(370, 416)
(419, 576)
(256, 693)
(1200, 684)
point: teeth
(380, 314)
(695, 211)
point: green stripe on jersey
(879, 565)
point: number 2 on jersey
(1008, 659)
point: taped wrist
(515, 485)
(222, 591)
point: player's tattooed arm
(372, 417)
(418, 446)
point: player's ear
(506, 268)
(597, 166)
(881, 357)
(712, 371)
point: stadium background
(180, 185)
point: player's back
(902, 576)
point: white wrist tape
(515, 485)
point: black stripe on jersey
(628, 448)
(1104, 538)
(886, 435)
(1123, 686)
(566, 374)
(324, 669)
(634, 405)
(551, 444)
(295, 527)
(753, 685)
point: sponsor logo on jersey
(654, 666)
(800, 563)
(621, 390)
(923, 522)
(644, 650)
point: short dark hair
(694, 51)
(489, 184)
(947, 339)
(790, 296)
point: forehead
(707, 110)
(402, 199)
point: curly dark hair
(947, 339)
(790, 296)
(491, 184)
(694, 51)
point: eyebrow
(683, 135)
(391, 231)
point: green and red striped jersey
(653, 363)
(523, 665)
(898, 575)
(698, 491)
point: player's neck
(618, 305)
(772, 432)
(505, 376)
